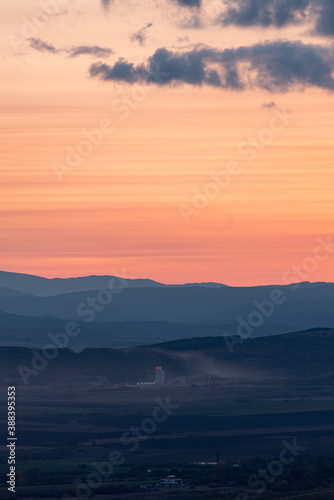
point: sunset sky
(184, 90)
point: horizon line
(163, 283)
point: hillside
(303, 356)
(31, 331)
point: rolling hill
(305, 356)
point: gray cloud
(140, 36)
(325, 21)
(264, 13)
(275, 66)
(189, 3)
(280, 13)
(40, 46)
(94, 50)
(121, 71)
(268, 13)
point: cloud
(325, 21)
(121, 71)
(269, 105)
(194, 22)
(274, 66)
(94, 50)
(182, 39)
(189, 3)
(182, 3)
(140, 36)
(40, 46)
(264, 13)
(280, 13)
(106, 4)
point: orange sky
(121, 207)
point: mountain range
(46, 287)
(138, 311)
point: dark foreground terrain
(255, 423)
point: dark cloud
(121, 71)
(325, 20)
(40, 46)
(264, 13)
(280, 13)
(189, 3)
(273, 66)
(94, 50)
(140, 36)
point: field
(61, 433)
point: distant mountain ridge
(46, 287)
(33, 332)
(9, 292)
(131, 315)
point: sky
(177, 140)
